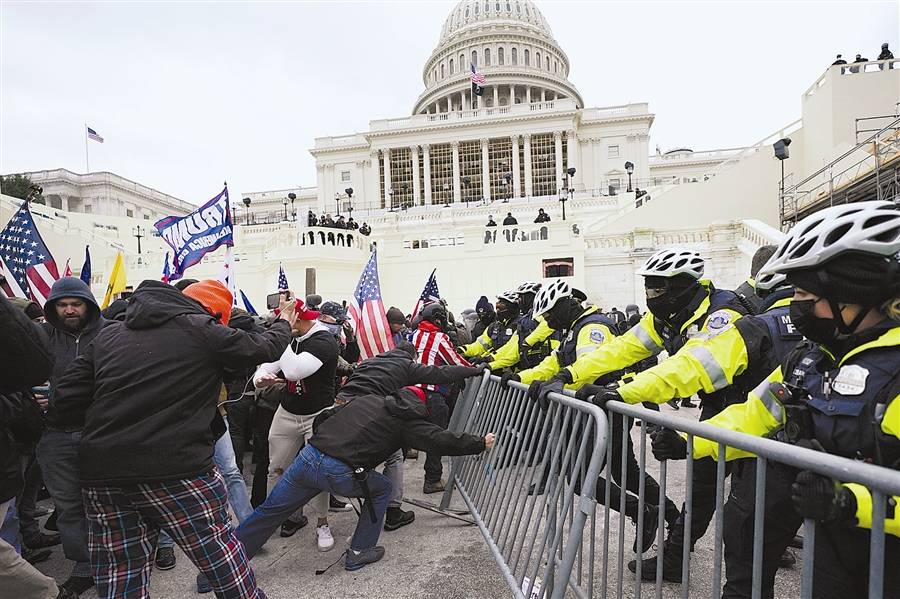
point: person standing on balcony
(542, 216)
(886, 55)
(491, 222)
(838, 61)
(510, 220)
(311, 219)
(859, 59)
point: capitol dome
(511, 43)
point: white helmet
(862, 227)
(767, 280)
(510, 297)
(674, 261)
(550, 295)
(529, 287)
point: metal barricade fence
(524, 492)
(532, 495)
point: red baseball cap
(304, 313)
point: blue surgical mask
(334, 328)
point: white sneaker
(323, 538)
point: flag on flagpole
(117, 281)
(282, 280)
(429, 294)
(227, 275)
(367, 312)
(67, 272)
(26, 264)
(167, 272)
(478, 82)
(85, 274)
(247, 305)
(193, 236)
(93, 135)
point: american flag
(282, 280)
(477, 78)
(93, 135)
(25, 261)
(67, 271)
(367, 312)
(429, 294)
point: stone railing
(424, 120)
(517, 233)
(331, 237)
(854, 68)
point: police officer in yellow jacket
(498, 333)
(746, 351)
(533, 339)
(683, 312)
(585, 330)
(838, 391)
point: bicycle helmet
(529, 287)
(510, 297)
(550, 295)
(674, 261)
(870, 228)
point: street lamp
(782, 154)
(390, 192)
(284, 203)
(404, 189)
(138, 232)
(629, 168)
(247, 216)
(293, 196)
(349, 192)
(467, 181)
(566, 193)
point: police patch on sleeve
(718, 320)
(597, 336)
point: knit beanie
(851, 279)
(395, 316)
(483, 305)
(213, 296)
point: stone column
(558, 164)
(426, 158)
(512, 95)
(543, 95)
(515, 166)
(572, 152)
(496, 96)
(387, 177)
(528, 94)
(528, 186)
(456, 176)
(449, 104)
(417, 187)
(462, 100)
(485, 168)
(373, 192)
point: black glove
(666, 444)
(479, 360)
(539, 391)
(597, 395)
(507, 377)
(822, 498)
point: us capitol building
(427, 182)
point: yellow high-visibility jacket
(508, 355)
(763, 414)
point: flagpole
(87, 162)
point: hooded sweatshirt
(364, 432)
(64, 345)
(146, 390)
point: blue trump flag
(201, 231)
(86, 267)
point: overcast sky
(188, 95)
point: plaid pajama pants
(124, 524)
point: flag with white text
(191, 237)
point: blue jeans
(311, 473)
(57, 453)
(9, 527)
(226, 462)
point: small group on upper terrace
(326, 220)
(886, 54)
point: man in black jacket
(340, 458)
(26, 359)
(386, 374)
(73, 321)
(152, 382)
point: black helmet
(436, 314)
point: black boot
(651, 523)
(671, 565)
(395, 518)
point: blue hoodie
(66, 346)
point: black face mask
(670, 303)
(818, 330)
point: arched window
(548, 63)
(487, 57)
(462, 61)
(537, 59)
(527, 58)
(442, 70)
(487, 7)
(555, 66)
(500, 56)
(476, 9)
(451, 66)
(475, 55)
(515, 56)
